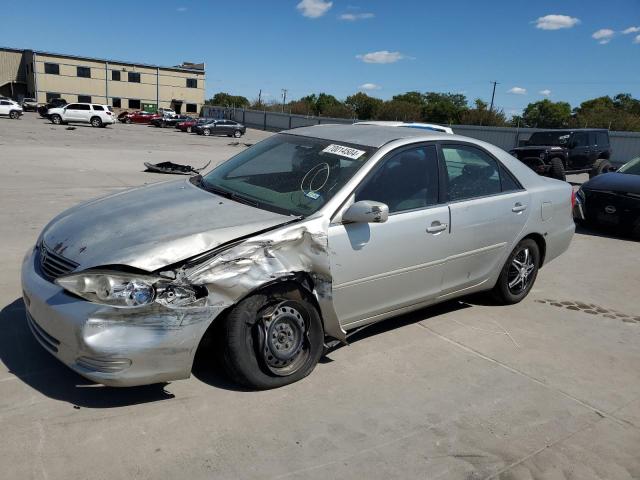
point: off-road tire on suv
(14, 114)
(503, 292)
(557, 169)
(272, 327)
(56, 119)
(602, 165)
(96, 122)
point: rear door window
(98, 108)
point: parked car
(423, 126)
(288, 246)
(166, 112)
(94, 114)
(187, 126)
(138, 117)
(558, 152)
(163, 122)
(612, 200)
(54, 103)
(10, 109)
(221, 127)
(29, 104)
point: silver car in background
(285, 249)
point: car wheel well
(542, 245)
(301, 282)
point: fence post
(289, 120)
(244, 112)
(264, 127)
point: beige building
(130, 86)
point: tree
(547, 114)
(416, 98)
(444, 107)
(482, 116)
(225, 100)
(621, 112)
(400, 110)
(364, 106)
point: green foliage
(364, 106)
(225, 100)
(621, 112)
(400, 110)
(482, 116)
(547, 114)
(444, 107)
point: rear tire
(56, 119)
(96, 122)
(518, 273)
(602, 165)
(557, 169)
(272, 338)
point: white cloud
(383, 56)
(629, 30)
(181, 9)
(556, 22)
(604, 35)
(637, 39)
(314, 8)
(517, 91)
(352, 17)
(369, 86)
(545, 93)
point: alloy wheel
(520, 271)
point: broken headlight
(128, 290)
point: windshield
(555, 139)
(288, 173)
(632, 167)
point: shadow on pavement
(31, 364)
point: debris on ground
(70, 128)
(175, 168)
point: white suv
(96, 115)
(10, 108)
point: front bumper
(112, 346)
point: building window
(84, 98)
(134, 77)
(192, 108)
(134, 103)
(52, 68)
(116, 102)
(84, 72)
(115, 75)
(51, 96)
(192, 83)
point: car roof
(366, 135)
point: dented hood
(152, 226)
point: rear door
(488, 211)
(580, 151)
(380, 267)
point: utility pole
(493, 95)
(284, 98)
(260, 97)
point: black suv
(558, 152)
(53, 103)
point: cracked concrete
(463, 390)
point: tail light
(573, 198)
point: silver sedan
(285, 249)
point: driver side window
(405, 181)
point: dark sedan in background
(221, 127)
(53, 103)
(166, 121)
(612, 200)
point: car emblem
(610, 209)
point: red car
(189, 124)
(137, 117)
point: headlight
(129, 290)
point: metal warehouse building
(45, 75)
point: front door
(4, 107)
(488, 211)
(380, 267)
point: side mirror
(366, 211)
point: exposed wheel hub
(284, 335)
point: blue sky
(568, 50)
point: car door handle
(518, 207)
(437, 227)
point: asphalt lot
(466, 390)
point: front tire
(206, 132)
(237, 134)
(189, 129)
(56, 119)
(557, 169)
(518, 273)
(272, 338)
(602, 165)
(14, 114)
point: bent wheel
(272, 338)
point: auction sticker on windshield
(344, 151)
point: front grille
(53, 265)
(47, 341)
